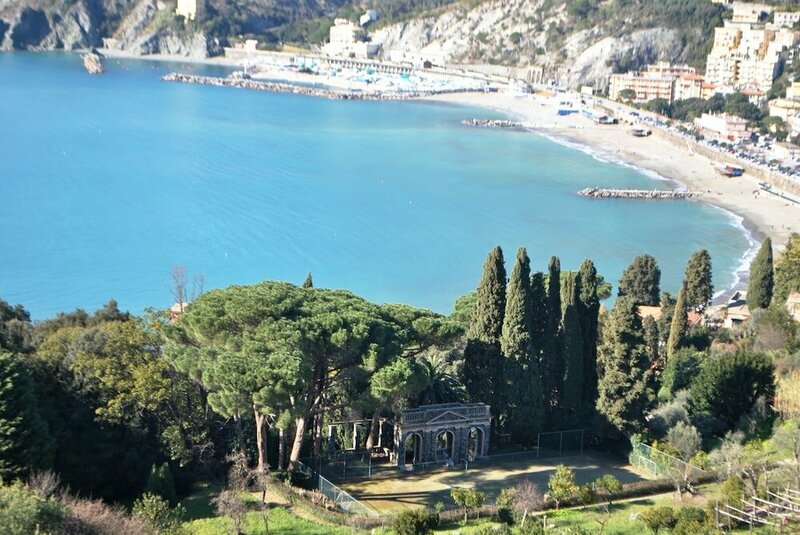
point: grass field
(391, 494)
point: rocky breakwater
(492, 123)
(276, 87)
(93, 63)
(603, 193)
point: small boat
(731, 171)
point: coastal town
(400, 267)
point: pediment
(447, 416)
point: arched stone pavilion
(454, 432)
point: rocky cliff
(548, 38)
(144, 26)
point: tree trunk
(237, 422)
(299, 433)
(373, 429)
(318, 425)
(261, 440)
(281, 449)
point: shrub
(23, 511)
(413, 522)
(733, 491)
(657, 518)
(160, 483)
(728, 385)
(97, 518)
(156, 511)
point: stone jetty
(492, 123)
(277, 87)
(603, 193)
(93, 62)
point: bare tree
(230, 503)
(178, 284)
(526, 497)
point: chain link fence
(662, 464)
(340, 497)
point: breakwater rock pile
(277, 87)
(603, 193)
(492, 123)
(93, 63)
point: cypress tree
(680, 324)
(538, 314)
(309, 282)
(571, 351)
(787, 270)
(641, 281)
(622, 367)
(483, 359)
(525, 410)
(589, 312)
(762, 277)
(551, 368)
(665, 321)
(651, 339)
(25, 441)
(698, 281)
(487, 317)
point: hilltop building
(348, 39)
(187, 9)
(749, 53)
(659, 80)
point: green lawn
(281, 522)
(284, 521)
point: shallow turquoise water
(107, 182)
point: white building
(347, 39)
(187, 9)
(722, 127)
(748, 56)
(786, 19)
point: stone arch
(414, 453)
(445, 444)
(475, 440)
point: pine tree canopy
(641, 281)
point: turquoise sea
(108, 182)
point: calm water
(107, 182)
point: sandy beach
(763, 214)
